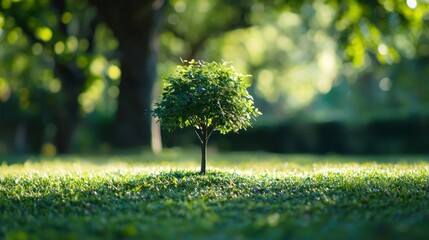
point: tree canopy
(206, 95)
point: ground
(243, 196)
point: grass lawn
(243, 196)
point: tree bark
(66, 114)
(136, 25)
(133, 121)
(203, 156)
(204, 138)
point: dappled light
(412, 4)
(314, 62)
(4, 90)
(288, 71)
(98, 65)
(66, 17)
(91, 96)
(114, 72)
(44, 33)
(54, 85)
(385, 84)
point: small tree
(206, 96)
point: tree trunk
(204, 138)
(136, 24)
(203, 156)
(133, 120)
(156, 137)
(66, 114)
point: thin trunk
(203, 156)
(204, 138)
(204, 134)
(156, 141)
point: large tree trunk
(66, 114)
(136, 24)
(133, 121)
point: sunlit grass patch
(244, 195)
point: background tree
(45, 49)
(207, 97)
(136, 25)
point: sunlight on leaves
(55, 85)
(114, 72)
(412, 4)
(265, 86)
(66, 17)
(98, 65)
(92, 96)
(59, 47)
(4, 90)
(44, 33)
(2, 22)
(72, 44)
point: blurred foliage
(318, 60)
(36, 35)
(301, 54)
(58, 63)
